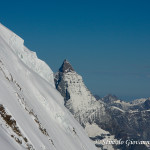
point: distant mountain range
(104, 118)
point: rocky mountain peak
(66, 67)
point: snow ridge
(28, 57)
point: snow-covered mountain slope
(28, 57)
(138, 101)
(99, 136)
(135, 105)
(32, 112)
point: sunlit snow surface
(94, 130)
(32, 112)
(28, 57)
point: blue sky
(106, 41)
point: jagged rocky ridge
(32, 113)
(121, 119)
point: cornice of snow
(28, 57)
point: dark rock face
(60, 84)
(146, 104)
(131, 124)
(66, 67)
(134, 125)
(109, 98)
(97, 97)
